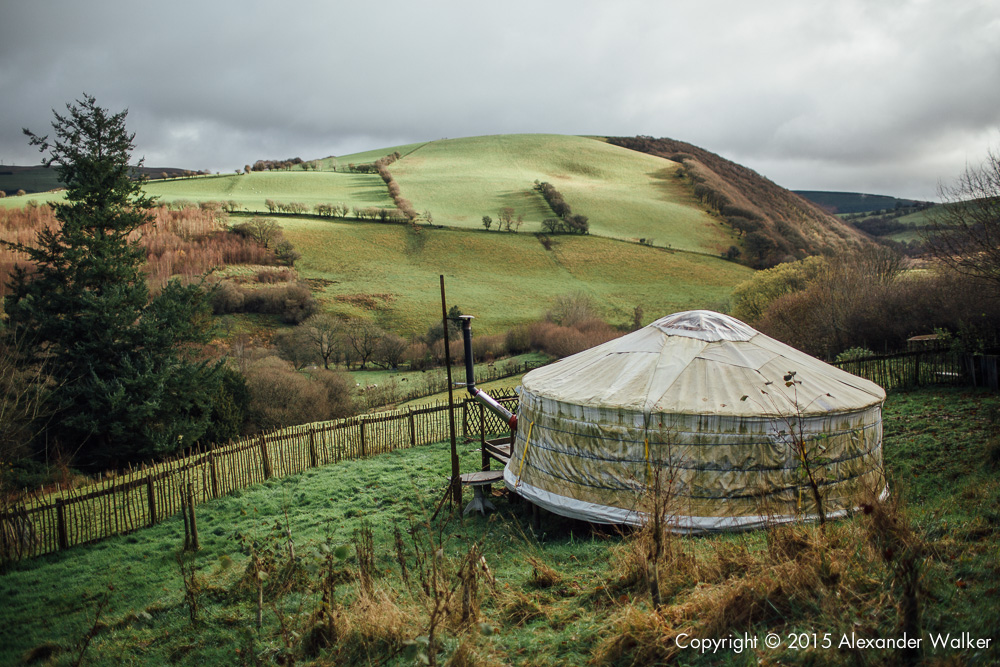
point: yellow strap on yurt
(649, 465)
(527, 441)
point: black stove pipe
(470, 379)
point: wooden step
(499, 449)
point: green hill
(630, 191)
(364, 269)
(624, 194)
(840, 203)
(774, 224)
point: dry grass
(801, 576)
(186, 243)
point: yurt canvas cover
(702, 398)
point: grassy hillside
(625, 194)
(840, 203)
(251, 190)
(501, 278)
(564, 595)
(41, 179)
(777, 223)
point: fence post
(214, 475)
(364, 450)
(413, 430)
(151, 499)
(264, 458)
(195, 545)
(61, 523)
(313, 458)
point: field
(564, 594)
(251, 190)
(625, 194)
(502, 279)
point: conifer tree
(121, 387)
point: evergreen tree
(121, 387)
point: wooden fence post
(214, 475)
(413, 431)
(61, 523)
(151, 499)
(195, 546)
(313, 458)
(364, 449)
(264, 458)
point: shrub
(569, 309)
(270, 276)
(488, 348)
(418, 356)
(281, 397)
(293, 302)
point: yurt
(742, 428)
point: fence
(391, 393)
(922, 368)
(39, 524)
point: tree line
(567, 222)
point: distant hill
(839, 203)
(774, 223)
(41, 179)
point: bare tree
(389, 351)
(965, 229)
(324, 331)
(362, 337)
(505, 217)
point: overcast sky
(885, 96)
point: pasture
(252, 190)
(391, 272)
(625, 194)
(563, 594)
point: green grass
(429, 382)
(625, 194)
(503, 279)
(941, 456)
(251, 190)
(37, 179)
(367, 157)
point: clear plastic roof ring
(705, 325)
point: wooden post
(61, 523)
(214, 475)
(455, 473)
(195, 546)
(187, 520)
(313, 458)
(413, 431)
(364, 447)
(265, 459)
(151, 499)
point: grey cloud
(889, 97)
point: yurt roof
(702, 362)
